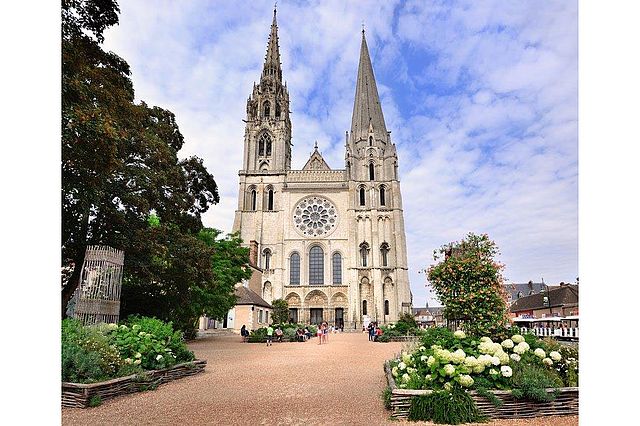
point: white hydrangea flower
(394, 371)
(459, 334)
(138, 355)
(159, 357)
(486, 348)
(507, 344)
(496, 347)
(465, 380)
(506, 371)
(137, 362)
(449, 369)
(431, 360)
(478, 368)
(405, 377)
(428, 377)
(485, 359)
(503, 357)
(555, 355)
(493, 372)
(407, 358)
(411, 370)
(517, 338)
(495, 360)
(447, 386)
(470, 361)
(423, 358)
(521, 348)
(402, 365)
(547, 361)
(458, 356)
(539, 352)
(485, 339)
(422, 348)
(515, 357)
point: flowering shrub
(106, 351)
(457, 361)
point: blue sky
(481, 98)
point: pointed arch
(264, 145)
(371, 171)
(294, 268)
(364, 252)
(362, 196)
(316, 265)
(384, 253)
(383, 198)
(266, 109)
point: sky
(481, 98)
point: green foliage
(386, 397)
(119, 163)
(438, 336)
(484, 392)
(150, 343)
(530, 381)
(385, 338)
(95, 401)
(87, 355)
(280, 313)
(153, 220)
(468, 281)
(441, 407)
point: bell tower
(267, 138)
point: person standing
(269, 335)
(319, 334)
(244, 333)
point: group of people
(374, 331)
(303, 335)
(323, 333)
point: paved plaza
(284, 384)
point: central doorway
(340, 318)
(316, 315)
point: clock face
(315, 217)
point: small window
(267, 258)
(370, 140)
(364, 307)
(362, 197)
(384, 251)
(337, 268)
(371, 171)
(316, 266)
(364, 249)
(386, 307)
(254, 200)
(294, 269)
(264, 145)
(270, 200)
(383, 202)
(266, 317)
(266, 107)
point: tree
(120, 164)
(280, 312)
(179, 277)
(468, 281)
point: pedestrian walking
(269, 335)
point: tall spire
(367, 111)
(272, 59)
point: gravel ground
(284, 384)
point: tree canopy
(120, 170)
(280, 314)
(468, 281)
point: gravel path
(284, 384)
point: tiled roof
(559, 296)
(246, 296)
(427, 311)
(523, 289)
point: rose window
(315, 216)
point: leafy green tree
(119, 165)
(468, 281)
(280, 312)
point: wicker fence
(566, 402)
(78, 395)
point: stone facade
(330, 242)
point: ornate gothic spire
(367, 111)
(272, 60)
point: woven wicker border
(565, 404)
(77, 395)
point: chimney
(253, 252)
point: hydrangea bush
(470, 362)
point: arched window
(362, 198)
(384, 250)
(371, 171)
(337, 268)
(267, 258)
(364, 307)
(316, 266)
(254, 199)
(364, 250)
(278, 112)
(266, 108)
(386, 307)
(370, 140)
(264, 145)
(270, 200)
(294, 269)
(383, 202)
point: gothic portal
(331, 242)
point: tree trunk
(72, 283)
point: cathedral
(331, 242)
